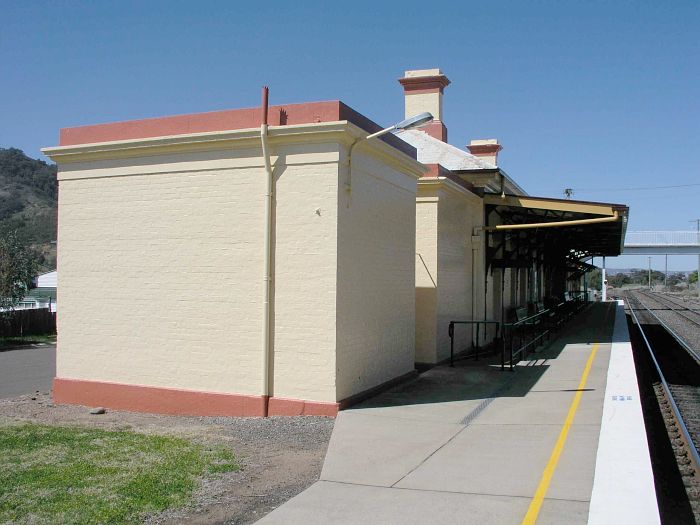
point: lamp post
(697, 283)
(604, 283)
(409, 123)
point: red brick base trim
(297, 407)
(175, 401)
(158, 400)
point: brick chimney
(423, 90)
(485, 149)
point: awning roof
(602, 236)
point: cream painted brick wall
(376, 276)
(426, 276)
(444, 225)
(419, 102)
(161, 271)
(306, 216)
(457, 218)
(160, 280)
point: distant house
(43, 295)
(47, 280)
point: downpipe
(267, 263)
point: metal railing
(475, 354)
(662, 238)
(527, 334)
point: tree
(18, 265)
(675, 278)
(693, 278)
(594, 277)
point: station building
(371, 248)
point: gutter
(556, 224)
(504, 179)
(267, 265)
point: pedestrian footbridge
(662, 243)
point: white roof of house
(47, 280)
(434, 151)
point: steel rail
(692, 449)
(673, 334)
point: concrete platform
(472, 444)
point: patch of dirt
(279, 456)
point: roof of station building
(227, 120)
(462, 163)
(435, 151)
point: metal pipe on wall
(555, 224)
(267, 263)
(472, 313)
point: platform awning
(558, 229)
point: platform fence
(523, 336)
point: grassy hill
(28, 201)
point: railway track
(682, 325)
(677, 387)
(675, 305)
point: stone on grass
(98, 410)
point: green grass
(52, 474)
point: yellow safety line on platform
(536, 504)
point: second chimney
(485, 149)
(423, 89)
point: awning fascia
(563, 205)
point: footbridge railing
(662, 242)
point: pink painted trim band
(297, 407)
(432, 84)
(484, 149)
(173, 401)
(435, 129)
(438, 170)
(227, 120)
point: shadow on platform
(483, 379)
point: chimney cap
(486, 149)
(424, 80)
(482, 142)
(413, 73)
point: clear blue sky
(598, 96)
